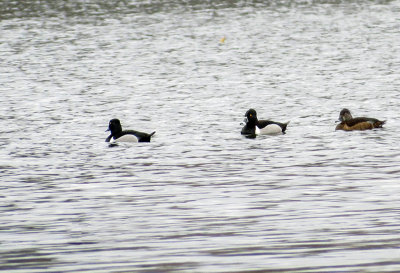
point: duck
(253, 126)
(119, 135)
(348, 123)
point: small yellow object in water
(222, 40)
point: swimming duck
(348, 123)
(117, 134)
(254, 127)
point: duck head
(345, 115)
(114, 126)
(251, 117)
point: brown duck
(348, 123)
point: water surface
(199, 197)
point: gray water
(200, 197)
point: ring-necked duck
(254, 127)
(117, 134)
(348, 123)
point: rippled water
(199, 197)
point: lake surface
(200, 197)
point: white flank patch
(271, 129)
(126, 138)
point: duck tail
(284, 125)
(151, 134)
(379, 123)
